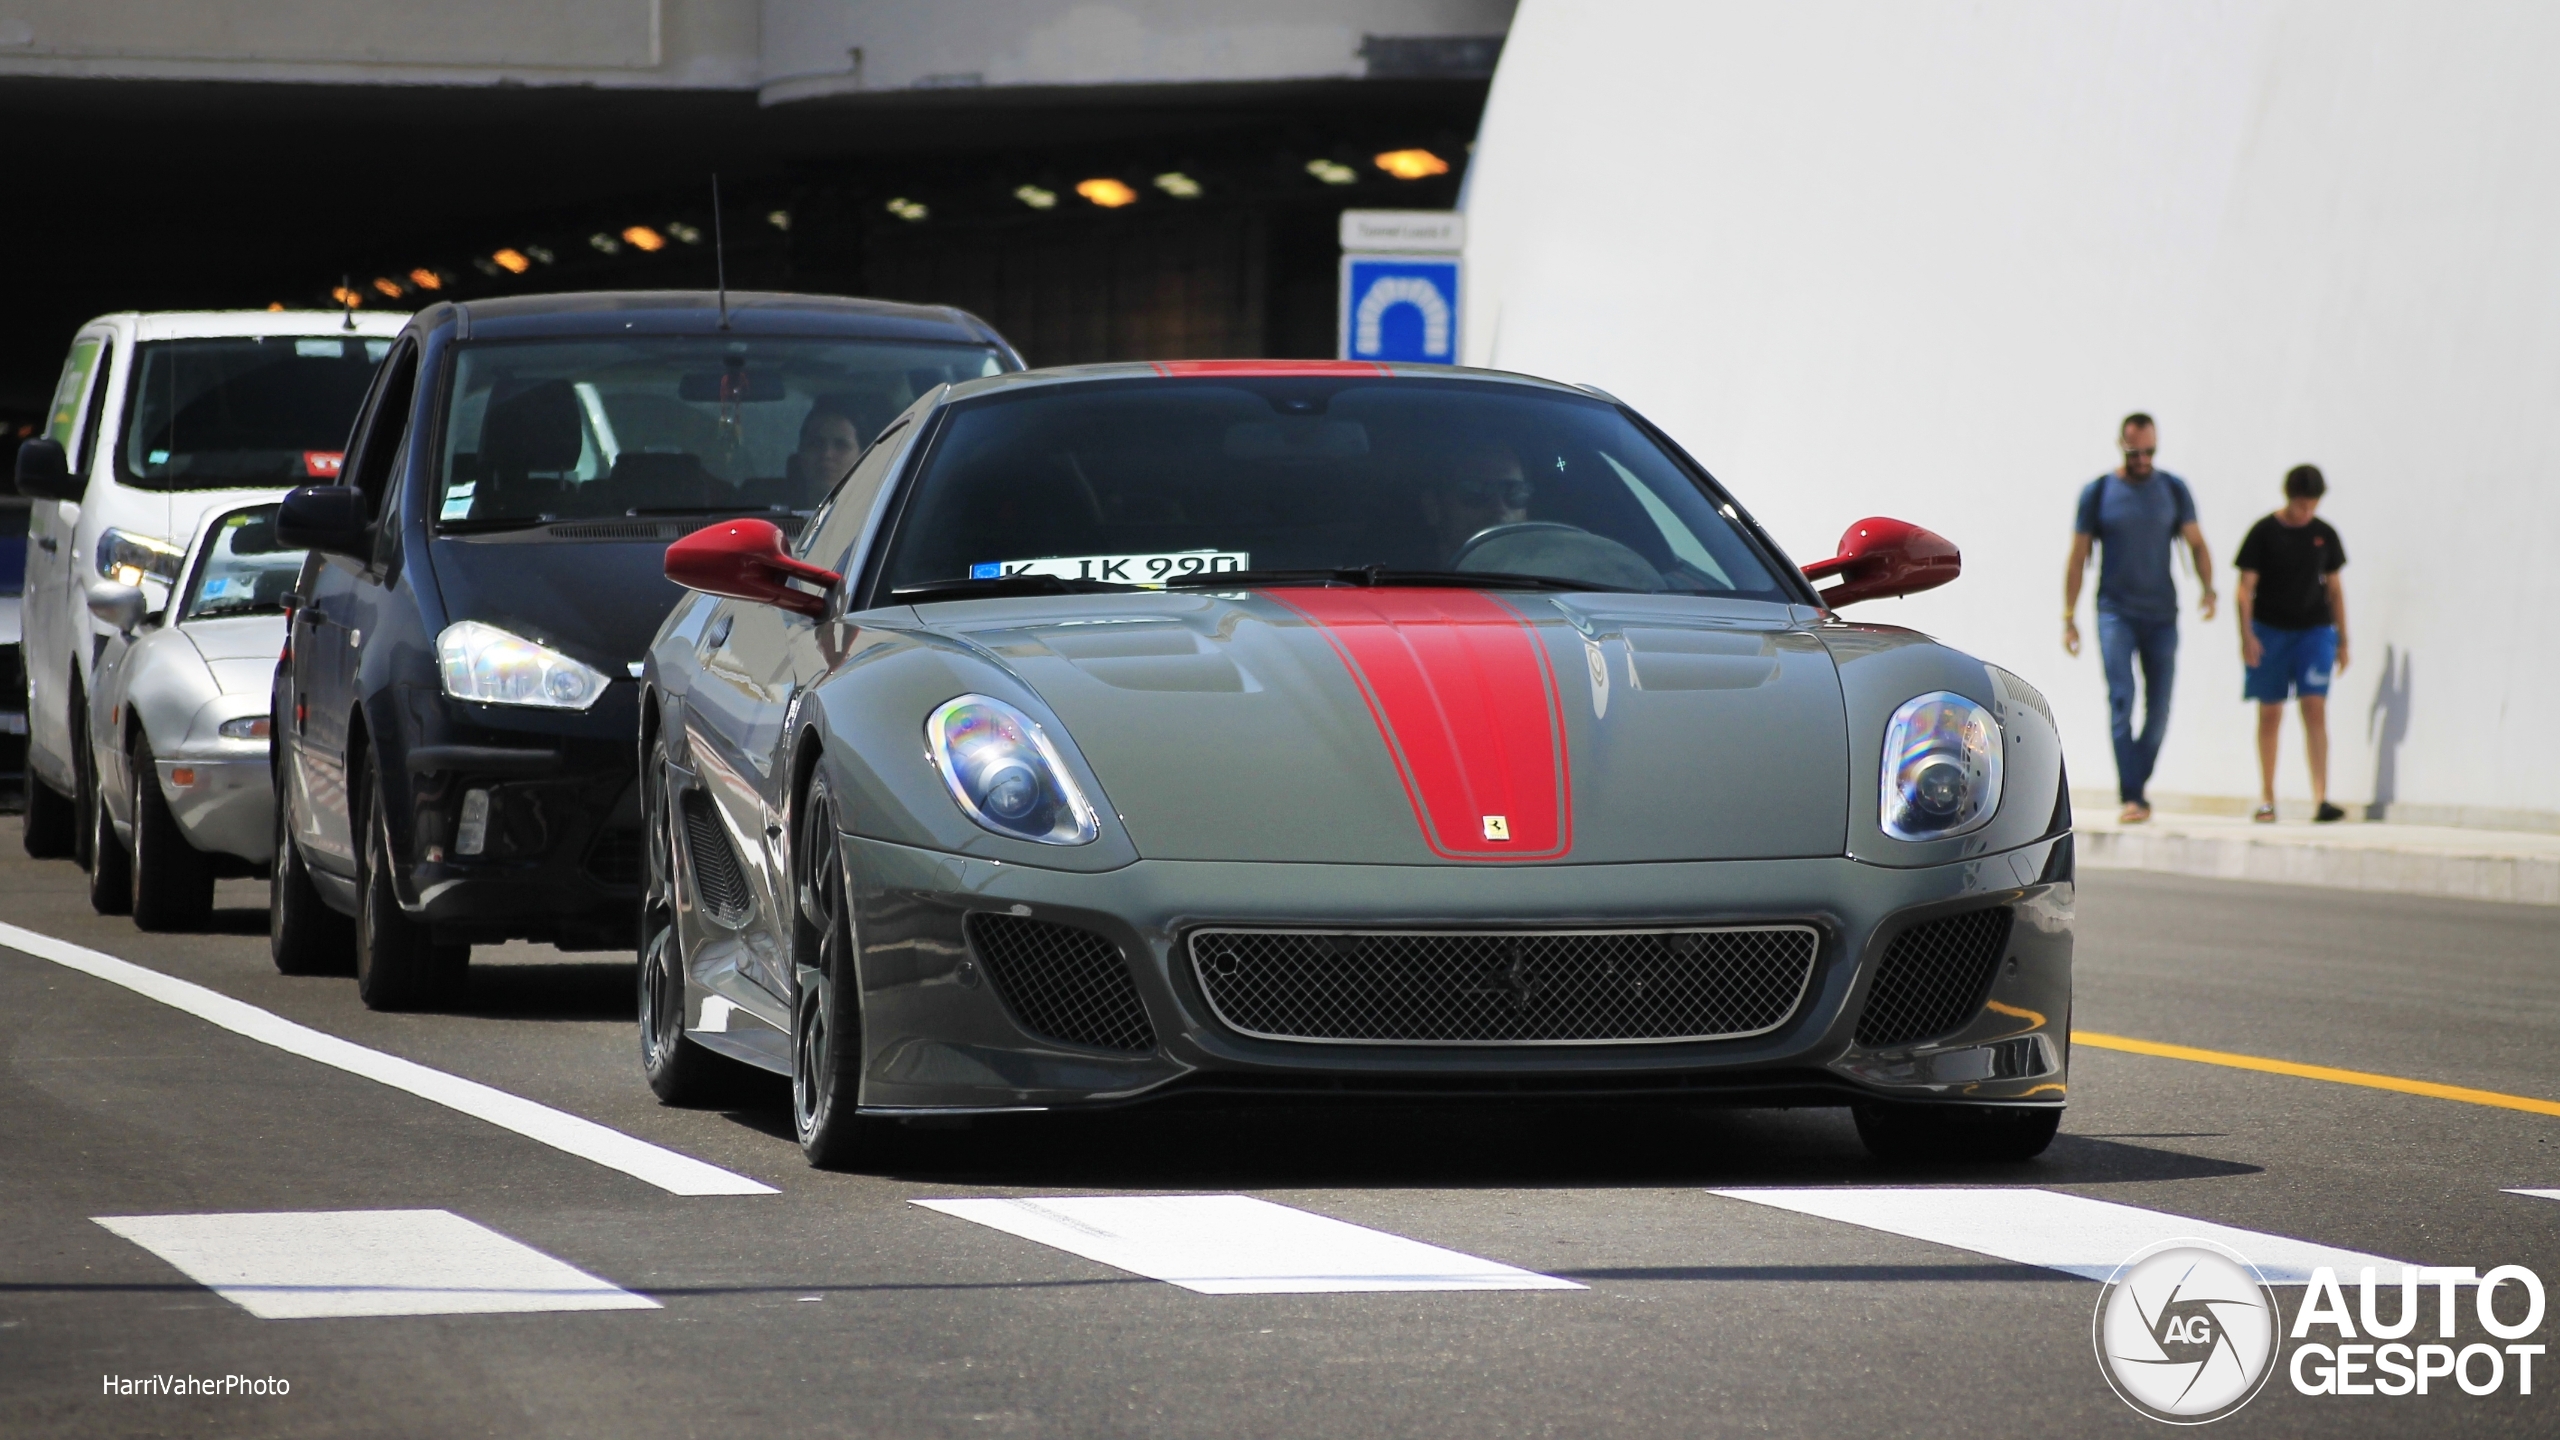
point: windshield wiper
(740, 507)
(1000, 585)
(484, 524)
(1380, 575)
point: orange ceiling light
(1108, 193)
(426, 279)
(513, 261)
(387, 286)
(1412, 164)
(274, 305)
(344, 296)
(644, 238)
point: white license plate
(1119, 569)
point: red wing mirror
(1880, 557)
(745, 560)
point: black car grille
(1444, 988)
(614, 857)
(1063, 983)
(1934, 977)
(718, 884)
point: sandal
(2133, 813)
(2264, 814)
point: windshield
(242, 572)
(670, 426)
(244, 411)
(1153, 481)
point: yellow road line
(2329, 1073)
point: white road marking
(584, 1138)
(2537, 1194)
(1237, 1245)
(2070, 1233)
(308, 1265)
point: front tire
(826, 1010)
(679, 1071)
(1979, 1134)
(52, 820)
(110, 865)
(172, 879)
(398, 964)
(304, 936)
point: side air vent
(717, 881)
(1933, 978)
(1067, 984)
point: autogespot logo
(2187, 1331)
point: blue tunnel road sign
(1400, 307)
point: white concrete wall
(1916, 258)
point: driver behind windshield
(1480, 486)
(830, 441)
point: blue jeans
(2122, 639)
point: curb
(2481, 875)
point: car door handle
(46, 544)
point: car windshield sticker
(1118, 569)
(457, 502)
(215, 587)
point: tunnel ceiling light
(274, 305)
(644, 238)
(1412, 164)
(1106, 192)
(352, 299)
(1035, 197)
(540, 255)
(1178, 185)
(605, 243)
(1332, 172)
(426, 279)
(778, 219)
(906, 209)
(511, 260)
(387, 286)
(684, 232)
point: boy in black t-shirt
(2293, 630)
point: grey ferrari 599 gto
(1319, 731)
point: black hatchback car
(456, 705)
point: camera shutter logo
(2187, 1331)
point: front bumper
(938, 1035)
(226, 805)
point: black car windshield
(1156, 481)
(558, 430)
(244, 411)
(242, 571)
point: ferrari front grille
(1062, 982)
(1589, 987)
(719, 885)
(1933, 978)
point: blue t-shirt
(2134, 523)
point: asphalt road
(837, 1307)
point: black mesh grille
(1062, 982)
(614, 858)
(1479, 989)
(717, 881)
(1934, 977)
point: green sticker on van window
(67, 393)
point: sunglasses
(2145, 453)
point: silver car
(178, 729)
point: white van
(156, 420)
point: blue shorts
(2291, 662)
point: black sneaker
(2327, 813)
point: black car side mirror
(44, 472)
(332, 519)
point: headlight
(125, 557)
(485, 663)
(246, 727)
(1941, 768)
(1005, 774)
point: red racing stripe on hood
(1461, 691)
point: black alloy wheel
(52, 820)
(679, 1070)
(304, 936)
(110, 865)
(826, 1012)
(1967, 1133)
(172, 879)
(398, 964)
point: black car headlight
(1003, 772)
(1941, 768)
